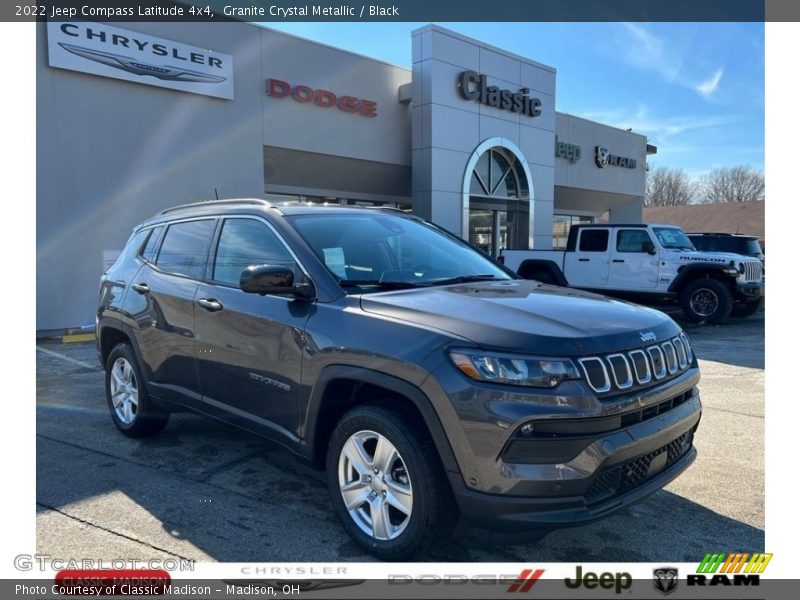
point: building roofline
(328, 46)
(482, 44)
(572, 116)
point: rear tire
(126, 393)
(745, 309)
(386, 465)
(706, 301)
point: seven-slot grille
(753, 271)
(622, 371)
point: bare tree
(668, 187)
(732, 184)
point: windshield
(673, 238)
(384, 250)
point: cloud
(710, 85)
(639, 47)
(654, 127)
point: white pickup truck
(648, 263)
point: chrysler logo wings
(124, 63)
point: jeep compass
(428, 381)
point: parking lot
(204, 491)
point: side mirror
(273, 279)
(649, 247)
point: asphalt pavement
(205, 491)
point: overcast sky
(695, 89)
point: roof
(744, 217)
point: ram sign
(108, 51)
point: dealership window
(561, 225)
(499, 204)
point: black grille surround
(610, 374)
(620, 479)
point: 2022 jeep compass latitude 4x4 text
(427, 380)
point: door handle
(618, 260)
(583, 260)
(142, 288)
(210, 304)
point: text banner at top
(267, 11)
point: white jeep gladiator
(648, 263)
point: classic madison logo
(665, 579)
(124, 63)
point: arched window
(497, 175)
(497, 198)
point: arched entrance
(496, 196)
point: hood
(526, 316)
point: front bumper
(750, 291)
(626, 465)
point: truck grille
(623, 371)
(625, 477)
(753, 271)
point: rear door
(587, 265)
(161, 304)
(632, 268)
(249, 347)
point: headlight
(513, 369)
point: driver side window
(632, 240)
(246, 242)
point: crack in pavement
(111, 531)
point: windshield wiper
(462, 279)
(398, 285)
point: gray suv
(424, 378)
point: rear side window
(246, 242)
(184, 248)
(632, 240)
(594, 240)
(150, 248)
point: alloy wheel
(375, 485)
(124, 391)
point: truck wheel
(745, 309)
(126, 393)
(386, 482)
(706, 301)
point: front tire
(706, 301)
(386, 481)
(126, 393)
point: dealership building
(136, 117)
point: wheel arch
(340, 388)
(535, 265)
(692, 272)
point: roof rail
(256, 201)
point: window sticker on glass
(334, 260)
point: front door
(249, 347)
(632, 268)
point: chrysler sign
(108, 51)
